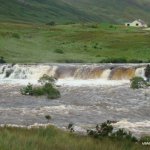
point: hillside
(63, 11)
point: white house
(137, 23)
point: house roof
(141, 21)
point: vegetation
(47, 88)
(48, 117)
(138, 82)
(106, 130)
(114, 60)
(46, 79)
(2, 61)
(147, 72)
(78, 43)
(74, 11)
(56, 139)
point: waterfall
(65, 71)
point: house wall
(136, 24)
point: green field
(34, 43)
(54, 139)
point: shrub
(70, 127)
(2, 61)
(71, 61)
(105, 129)
(114, 60)
(46, 79)
(122, 134)
(145, 139)
(38, 91)
(52, 23)
(16, 35)
(47, 88)
(48, 117)
(59, 51)
(138, 82)
(50, 91)
(28, 90)
(135, 61)
(147, 72)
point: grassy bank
(55, 139)
(27, 43)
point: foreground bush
(138, 82)
(47, 88)
(103, 130)
(106, 130)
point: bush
(122, 134)
(50, 91)
(135, 61)
(145, 139)
(147, 72)
(138, 82)
(2, 61)
(114, 60)
(16, 35)
(38, 91)
(70, 127)
(47, 88)
(71, 61)
(46, 79)
(28, 90)
(59, 51)
(52, 23)
(105, 129)
(48, 117)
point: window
(137, 24)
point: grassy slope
(115, 10)
(54, 139)
(74, 10)
(78, 42)
(39, 11)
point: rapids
(90, 94)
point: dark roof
(141, 21)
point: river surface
(85, 106)
(89, 95)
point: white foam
(92, 82)
(18, 81)
(137, 128)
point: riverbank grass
(56, 139)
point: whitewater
(90, 94)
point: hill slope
(74, 10)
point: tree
(147, 72)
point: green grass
(54, 139)
(28, 43)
